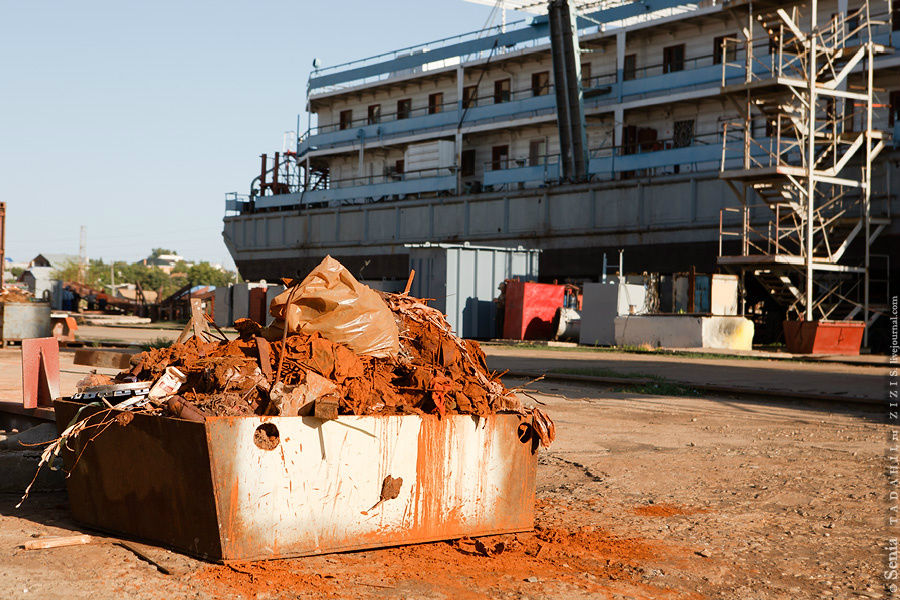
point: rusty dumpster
(251, 487)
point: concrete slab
(685, 331)
(19, 468)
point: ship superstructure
(684, 107)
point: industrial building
(686, 141)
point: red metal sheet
(824, 337)
(40, 371)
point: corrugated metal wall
(464, 281)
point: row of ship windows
(635, 139)
(673, 61)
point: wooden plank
(59, 542)
(103, 358)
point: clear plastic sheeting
(333, 303)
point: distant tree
(204, 273)
(157, 252)
(96, 273)
(181, 268)
(68, 272)
(16, 272)
(99, 274)
(150, 278)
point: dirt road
(640, 497)
(835, 379)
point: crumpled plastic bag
(331, 301)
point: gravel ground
(682, 497)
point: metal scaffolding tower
(800, 158)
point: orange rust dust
(589, 559)
(665, 510)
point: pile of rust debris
(10, 295)
(336, 347)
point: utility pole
(82, 255)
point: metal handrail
(424, 47)
(787, 59)
(604, 151)
(772, 240)
(775, 153)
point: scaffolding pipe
(811, 158)
(867, 191)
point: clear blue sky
(135, 118)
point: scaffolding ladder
(799, 158)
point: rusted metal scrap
(298, 374)
(183, 409)
(543, 426)
(390, 489)
(235, 475)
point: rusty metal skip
(212, 489)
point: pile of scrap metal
(10, 295)
(97, 299)
(336, 347)
(389, 429)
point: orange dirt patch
(590, 561)
(268, 578)
(664, 510)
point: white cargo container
(429, 160)
(601, 303)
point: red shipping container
(823, 337)
(529, 310)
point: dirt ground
(640, 497)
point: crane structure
(806, 138)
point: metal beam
(848, 154)
(791, 25)
(847, 241)
(851, 64)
